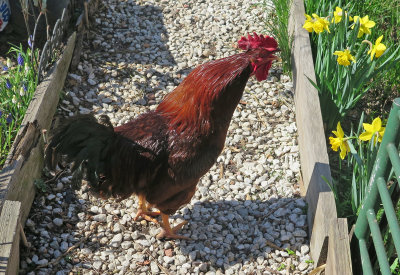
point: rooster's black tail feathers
(112, 164)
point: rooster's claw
(147, 215)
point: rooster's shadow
(231, 232)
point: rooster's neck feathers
(189, 106)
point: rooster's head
(261, 51)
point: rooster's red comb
(258, 41)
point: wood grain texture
(322, 215)
(339, 257)
(9, 237)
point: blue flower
(9, 118)
(24, 86)
(30, 41)
(1, 114)
(5, 68)
(20, 59)
(8, 84)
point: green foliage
(386, 14)
(17, 85)
(352, 177)
(276, 22)
(40, 185)
(341, 87)
(394, 268)
(309, 261)
(290, 252)
(281, 267)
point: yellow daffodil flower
(339, 142)
(365, 25)
(317, 24)
(337, 15)
(374, 129)
(308, 24)
(320, 24)
(344, 57)
(378, 49)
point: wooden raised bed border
(329, 241)
(25, 161)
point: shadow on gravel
(140, 37)
(227, 233)
(224, 233)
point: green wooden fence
(367, 225)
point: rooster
(161, 155)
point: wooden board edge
(322, 214)
(9, 237)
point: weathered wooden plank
(9, 237)
(313, 152)
(322, 215)
(339, 258)
(325, 218)
(17, 178)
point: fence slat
(378, 242)
(390, 213)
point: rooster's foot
(147, 215)
(170, 233)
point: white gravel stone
(168, 260)
(302, 266)
(154, 268)
(305, 249)
(116, 240)
(97, 264)
(100, 218)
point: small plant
(356, 170)
(281, 267)
(40, 185)
(309, 261)
(17, 86)
(290, 252)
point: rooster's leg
(144, 212)
(168, 232)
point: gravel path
(246, 216)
